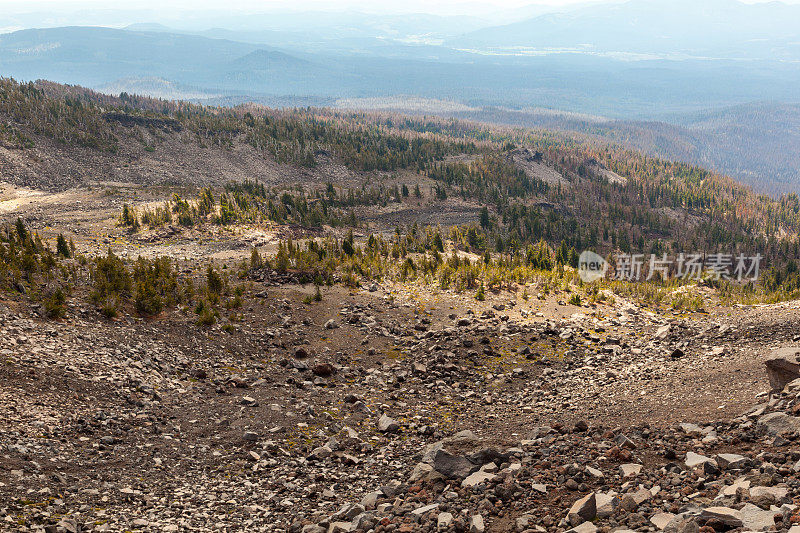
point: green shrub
(62, 247)
(234, 303)
(112, 283)
(55, 304)
(156, 285)
(109, 309)
(129, 217)
(256, 261)
(214, 285)
(206, 314)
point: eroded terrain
(392, 407)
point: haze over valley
(688, 84)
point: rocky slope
(390, 409)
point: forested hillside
(609, 199)
(754, 143)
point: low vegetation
(146, 287)
(529, 230)
(247, 203)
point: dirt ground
(161, 425)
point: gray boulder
(779, 423)
(387, 424)
(453, 466)
(783, 366)
(728, 516)
(756, 519)
(682, 524)
(583, 510)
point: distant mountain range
(99, 57)
(667, 29)
(683, 79)
(755, 143)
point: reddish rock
(323, 370)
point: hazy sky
(438, 6)
(195, 14)
(33, 5)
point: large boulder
(779, 423)
(423, 471)
(661, 520)
(778, 493)
(583, 510)
(478, 478)
(732, 461)
(629, 470)
(453, 466)
(682, 524)
(757, 519)
(387, 424)
(606, 504)
(476, 524)
(485, 456)
(783, 366)
(726, 515)
(693, 460)
(464, 456)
